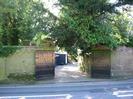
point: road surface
(82, 90)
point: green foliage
(130, 42)
(28, 18)
(39, 38)
(5, 51)
(85, 24)
(124, 26)
(21, 77)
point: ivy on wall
(130, 42)
(5, 51)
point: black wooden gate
(45, 64)
(101, 64)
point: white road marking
(66, 96)
(125, 93)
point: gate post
(45, 60)
(101, 62)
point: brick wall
(122, 62)
(22, 61)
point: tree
(85, 24)
(22, 20)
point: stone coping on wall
(33, 47)
(100, 48)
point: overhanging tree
(85, 24)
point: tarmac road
(82, 90)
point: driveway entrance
(67, 73)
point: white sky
(112, 1)
(50, 5)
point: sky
(112, 1)
(50, 5)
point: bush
(130, 43)
(21, 77)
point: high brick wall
(22, 61)
(122, 62)
(2, 69)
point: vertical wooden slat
(101, 64)
(44, 63)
